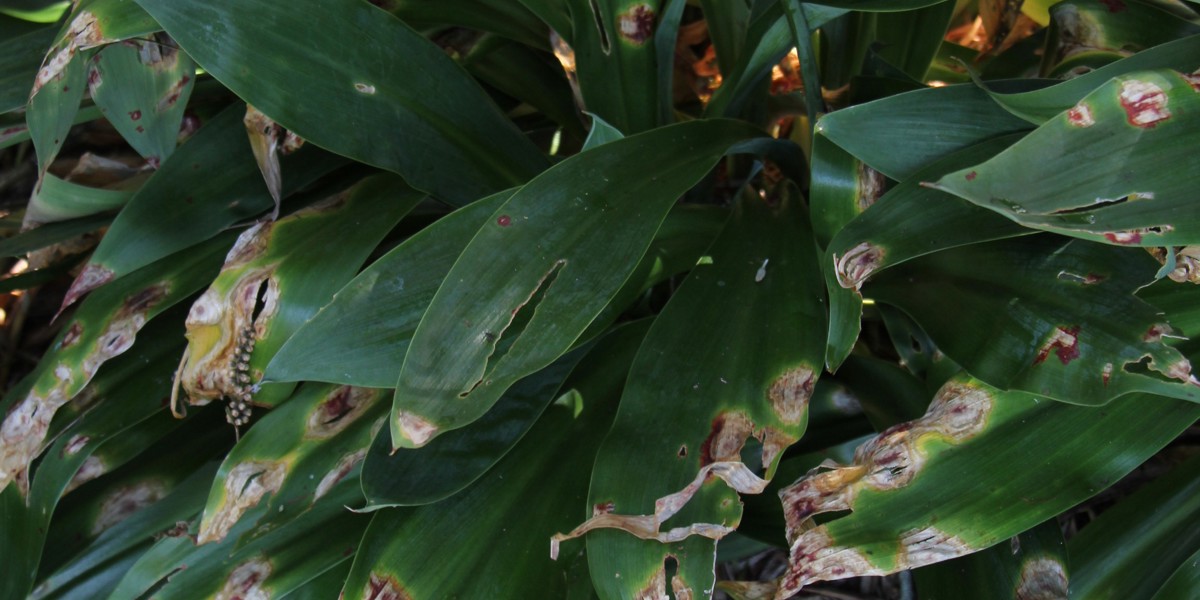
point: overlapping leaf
(1095, 170)
(552, 256)
(421, 117)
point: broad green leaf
(57, 199)
(1131, 549)
(1094, 171)
(276, 277)
(324, 586)
(422, 117)
(600, 133)
(802, 37)
(666, 36)
(450, 463)
(369, 323)
(210, 183)
(292, 458)
(550, 258)
(1031, 565)
(47, 235)
(103, 327)
(906, 222)
(499, 528)
(897, 486)
(20, 57)
(1059, 317)
(742, 374)
(142, 88)
(727, 24)
(893, 135)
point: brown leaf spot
(125, 501)
(92, 277)
(135, 115)
(504, 220)
(870, 186)
(790, 393)
(1113, 6)
(972, 175)
(725, 440)
(83, 32)
(1064, 342)
(1193, 79)
(1156, 332)
(71, 336)
(1042, 579)
(636, 25)
(245, 582)
(75, 444)
(1145, 103)
(857, 264)
(245, 486)
(343, 406)
(339, 472)
(603, 508)
(91, 468)
(381, 587)
(655, 588)
(1124, 237)
(1081, 115)
(416, 429)
(1106, 373)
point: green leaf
(450, 463)
(747, 373)
(1059, 316)
(906, 222)
(421, 117)
(50, 234)
(911, 39)
(964, 449)
(1131, 549)
(369, 323)
(1184, 582)
(57, 199)
(20, 57)
(892, 134)
(1094, 171)
(497, 527)
(142, 88)
(210, 183)
(539, 254)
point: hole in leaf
(599, 19)
(503, 340)
(260, 300)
